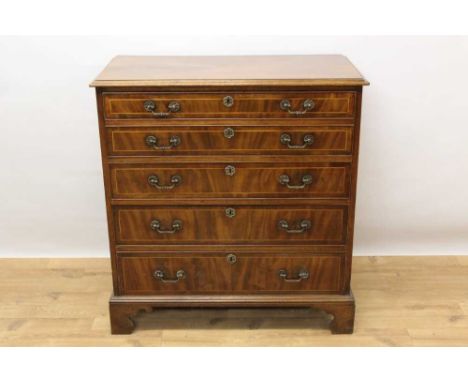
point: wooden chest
(230, 182)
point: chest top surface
(310, 70)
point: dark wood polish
(211, 225)
(218, 274)
(245, 105)
(229, 231)
(211, 140)
(248, 180)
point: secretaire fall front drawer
(318, 104)
(215, 180)
(216, 140)
(235, 224)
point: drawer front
(287, 273)
(230, 180)
(229, 273)
(166, 141)
(236, 224)
(157, 106)
(139, 275)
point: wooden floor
(401, 301)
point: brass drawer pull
(306, 180)
(152, 142)
(153, 180)
(302, 275)
(173, 107)
(303, 226)
(286, 139)
(307, 105)
(159, 275)
(156, 226)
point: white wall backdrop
(413, 173)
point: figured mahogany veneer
(211, 225)
(230, 182)
(239, 71)
(245, 105)
(215, 274)
(247, 180)
(212, 140)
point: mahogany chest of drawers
(230, 182)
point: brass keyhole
(231, 258)
(229, 132)
(228, 101)
(230, 212)
(229, 170)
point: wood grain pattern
(214, 274)
(107, 189)
(227, 122)
(202, 275)
(338, 104)
(270, 159)
(210, 225)
(287, 249)
(341, 308)
(253, 274)
(249, 180)
(315, 70)
(210, 140)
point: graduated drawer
(230, 180)
(297, 104)
(229, 273)
(236, 224)
(218, 140)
